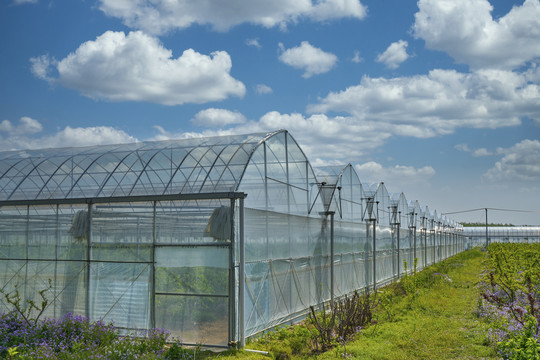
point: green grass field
(427, 316)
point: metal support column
(374, 255)
(332, 276)
(241, 275)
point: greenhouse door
(192, 292)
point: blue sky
(440, 99)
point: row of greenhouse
(480, 235)
(215, 239)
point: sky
(440, 99)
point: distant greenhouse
(215, 239)
(480, 235)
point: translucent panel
(192, 287)
(120, 293)
(122, 232)
(202, 221)
(192, 270)
(195, 320)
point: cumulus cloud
(437, 103)
(466, 30)
(520, 162)
(474, 152)
(161, 16)
(306, 57)
(254, 43)
(372, 172)
(27, 135)
(262, 89)
(481, 152)
(218, 117)
(26, 126)
(322, 137)
(394, 55)
(357, 58)
(20, 2)
(136, 67)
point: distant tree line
(476, 224)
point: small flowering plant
(510, 299)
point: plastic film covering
(476, 235)
(198, 165)
(147, 234)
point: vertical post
(232, 277)
(241, 275)
(332, 281)
(374, 255)
(57, 237)
(398, 249)
(414, 244)
(425, 247)
(487, 235)
(153, 295)
(88, 258)
(26, 251)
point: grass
(427, 316)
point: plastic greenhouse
(215, 239)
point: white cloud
(137, 67)
(520, 162)
(322, 137)
(481, 152)
(27, 126)
(475, 152)
(262, 89)
(160, 16)
(466, 30)
(41, 67)
(372, 172)
(394, 55)
(308, 58)
(254, 43)
(437, 103)
(27, 135)
(218, 117)
(20, 2)
(357, 58)
(463, 147)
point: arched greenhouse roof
(341, 190)
(185, 166)
(415, 213)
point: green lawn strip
(436, 323)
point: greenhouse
(480, 235)
(214, 239)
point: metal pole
(331, 256)
(425, 248)
(414, 244)
(153, 297)
(232, 278)
(241, 276)
(88, 258)
(487, 237)
(374, 256)
(398, 250)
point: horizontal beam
(117, 199)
